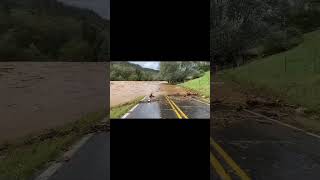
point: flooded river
(124, 91)
(36, 96)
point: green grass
(26, 156)
(200, 85)
(117, 112)
(298, 82)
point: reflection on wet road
(266, 151)
(171, 107)
(146, 110)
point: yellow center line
(215, 163)
(183, 114)
(219, 168)
(173, 108)
(230, 161)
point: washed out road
(257, 148)
(170, 107)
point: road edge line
(124, 116)
(284, 124)
(53, 168)
(200, 101)
(127, 114)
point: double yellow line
(176, 109)
(219, 168)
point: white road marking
(134, 108)
(201, 101)
(49, 172)
(127, 114)
(124, 116)
(284, 124)
(55, 166)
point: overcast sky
(148, 64)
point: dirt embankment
(229, 99)
(40, 95)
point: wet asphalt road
(92, 161)
(160, 108)
(269, 151)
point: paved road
(265, 150)
(171, 107)
(92, 161)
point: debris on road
(263, 121)
(301, 110)
(263, 102)
(103, 126)
(191, 93)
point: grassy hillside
(201, 85)
(294, 74)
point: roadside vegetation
(176, 72)
(244, 30)
(270, 48)
(200, 85)
(293, 75)
(173, 72)
(118, 111)
(125, 71)
(49, 30)
(25, 157)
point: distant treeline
(125, 71)
(47, 30)
(171, 71)
(180, 71)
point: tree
(56, 31)
(139, 75)
(75, 50)
(32, 53)
(177, 71)
(239, 25)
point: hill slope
(294, 74)
(38, 30)
(125, 71)
(102, 7)
(201, 84)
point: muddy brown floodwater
(124, 91)
(38, 95)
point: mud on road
(263, 149)
(124, 91)
(231, 95)
(41, 95)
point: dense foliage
(171, 71)
(241, 29)
(125, 71)
(47, 30)
(179, 71)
